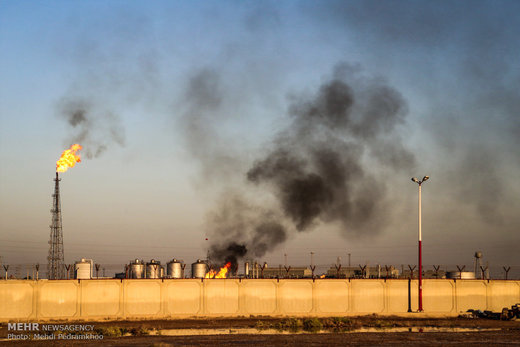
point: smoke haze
(471, 104)
(202, 122)
(316, 170)
(239, 109)
(96, 130)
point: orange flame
(222, 273)
(68, 158)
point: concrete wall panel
(59, 299)
(471, 294)
(259, 296)
(184, 296)
(16, 299)
(100, 298)
(503, 294)
(295, 296)
(221, 296)
(143, 297)
(415, 295)
(438, 296)
(368, 296)
(332, 296)
(397, 296)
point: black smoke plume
(239, 229)
(318, 167)
(96, 130)
(231, 254)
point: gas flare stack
(56, 258)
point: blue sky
(153, 189)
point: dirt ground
(504, 333)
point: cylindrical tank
(199, 269)
(153, 269)
(174, 269)
(136, 269)
(464, 275)
(83, 269)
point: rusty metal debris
(507, 314)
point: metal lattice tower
(56, 258)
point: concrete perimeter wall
(25, 300)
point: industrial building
(377, 271)
(281, 272)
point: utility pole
(425, 178)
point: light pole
(414, 179)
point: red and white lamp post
(425, 178)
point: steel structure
(56, 258)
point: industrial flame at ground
(222, 273)
(68, 158)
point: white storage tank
(154, 269)
(175, 269)
(83, 269)
(199, 269)
(136, 269)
